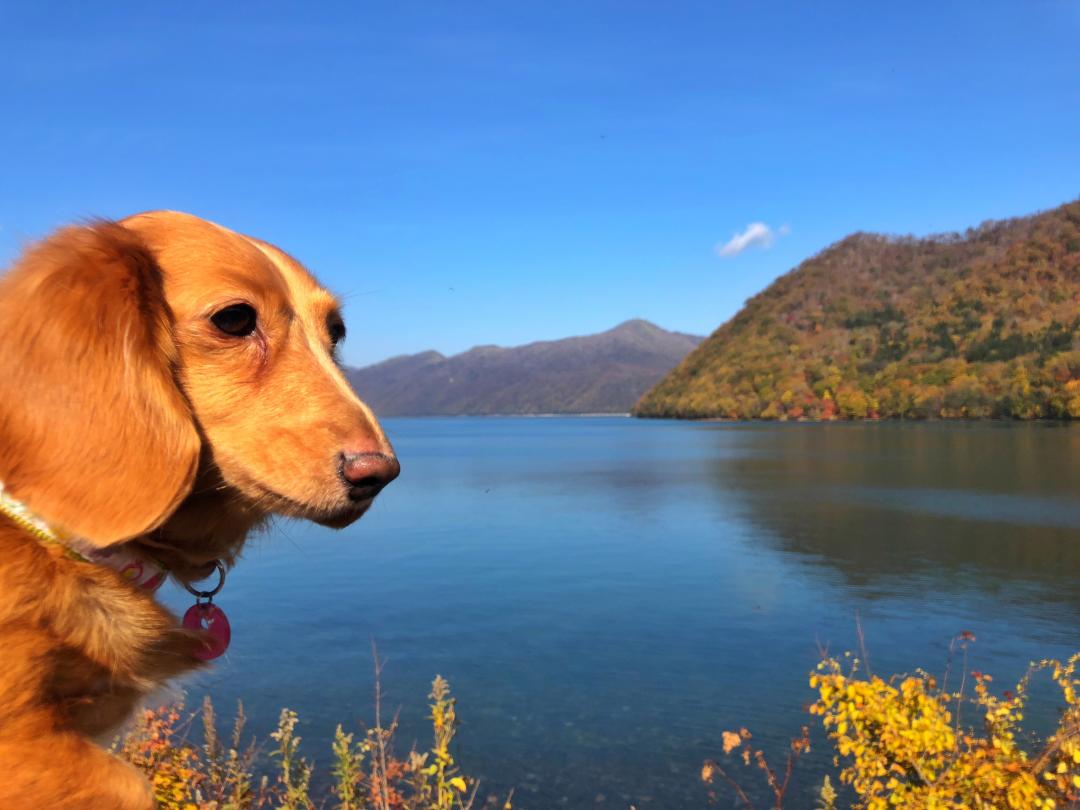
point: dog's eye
(337, 331)
(237, 320)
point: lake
(606, 595)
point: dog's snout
(367, 473)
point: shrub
(901, 742)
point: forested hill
(980, 324)
(601, 373)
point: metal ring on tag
(208, 594)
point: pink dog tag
(211, 619)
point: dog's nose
(367, 473)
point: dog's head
(164, 374)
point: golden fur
(126, 416)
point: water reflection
(989, 507)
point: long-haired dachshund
(165, 385)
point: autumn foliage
(902, 742)
(909, 741)
(983, 324)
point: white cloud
(756, 234)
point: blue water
(607, 595)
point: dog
(166, 385)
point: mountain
(980, 324)
(603, 373)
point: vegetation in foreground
(366, 772)
(906, 741)
(984, 324)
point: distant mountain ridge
(973, 325)
(602, 373)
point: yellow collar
(143, 572)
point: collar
(145, 573)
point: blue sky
(467, 173)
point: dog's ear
(95, 434)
